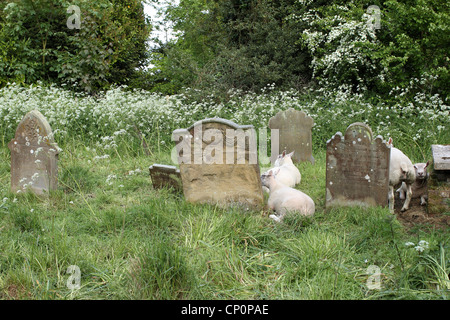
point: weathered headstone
(34, 155)
(291, 131)
(357, 168)
(441, 157)
(165, 176)
(218, 162)
(439, 184)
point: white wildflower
(424, 244)
(419, 248)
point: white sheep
(420, 186)
(401, 169)
(283, 199)
(288, 173)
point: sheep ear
(390, 140)
(415, 167)
(428, 162)
(291, 154)
(284, 153)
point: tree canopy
(247, 44)
(236, 44)
(37, 43)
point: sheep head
(421, 170)
(268, 177)
(284, 159)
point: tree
(408, 51)
(247, 44)
(233, 44)
(36, 43)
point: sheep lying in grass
(420, 186)
(283, 199)
(287, 173)
(401, 169)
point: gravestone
(291, 131)
(165, 176)
(34, 155)
(219, 163)
(357, 171)
(439, 183)
(441, 158)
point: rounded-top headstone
(34, 155)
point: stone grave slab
(357, 172)
(441, 157)
(165, 176)
(291, 131)
(218, 162)
(34, 155)
(439, 183)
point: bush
(408, 51)
(37, 45)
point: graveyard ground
(418, 217)
(130, 241)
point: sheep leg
(280, 215)
(423, 200)
(408, 197)
(275, 218)
(401, 191)
(391, 199)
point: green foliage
(232, 45)
(246, 45)
(407, 51)
(413, 47)
(37, 45)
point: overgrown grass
(133, 242)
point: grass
(133, 242)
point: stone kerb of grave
(218, 162)
(165, 176)
(439, 184)
(34, 155)
(291, 131)
(357, 168)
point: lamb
(283, 198)
(420, 186)
(288, 173)
(401, 169)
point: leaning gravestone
(165, 176)
(34, 155)
(357, 168)
(291, 131)
(219, 163)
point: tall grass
(131, 241)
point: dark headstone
(357, 168)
